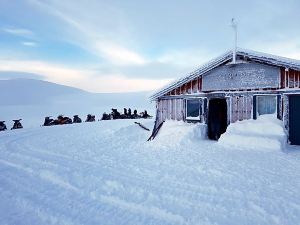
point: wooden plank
(282, 77)
(201, 83)
(178, 109)
(142, 126)
(291, 79)
(165, 109)
(194, 86)
(298, 79)
(155, 131)
(173, 109)
(287, 78)
(233, 109)
(250, 104)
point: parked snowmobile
(129, 112)
(115, 114)
(106, 116)
(48, 121)
(63, 120)
(135, 115)
(145, 115)
(125, 112)
(17, 124)
(76, 119)
(2, 126)
(90, 118)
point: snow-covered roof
(227, 56)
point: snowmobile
(2, 126)
(48, 121)
(145, 115)
(125, 112)
(115, 114)
(90, 118)
(76, 119)
(63, 120)
(135, 115)
(106, 116)
(17, 124)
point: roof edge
(206, 67)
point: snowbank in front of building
(174, 132)
(265, 133)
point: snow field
(106, 173)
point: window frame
(265, 95)
(201, 103)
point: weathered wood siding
(190, 87)
(241, 77)
(170, 109)
(241, 108)
(289, 78)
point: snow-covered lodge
(224, 91)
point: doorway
(294, 120)
(217, 118)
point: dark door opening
(294, 119)
(217, 118)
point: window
(266, 104)
(194, 109)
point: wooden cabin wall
(170, 109)
(190, 87)
(241, 108)
(289, 78)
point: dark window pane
(266, 105)
(193, 108)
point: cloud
(29, 43)
(119, 55)
(118, 84)
(51, 72)
(87, 79)
(96, 27)
(19, 32)
(128, 44)
(289, 49)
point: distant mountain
(32, 92)
(32, 100)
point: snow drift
(175, 132)
(265, 133)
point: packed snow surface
(106, 173)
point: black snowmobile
(76, 119)
(135, 115)
(106, 116)
(145, 115)
(90, 118)
(115, 114)
(48, 121)
(2, 126)
(17, 124)
(61, 120)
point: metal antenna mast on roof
(234, 26)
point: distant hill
(32, 92)
(32, 100)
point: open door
(294, 119)
(217, 118)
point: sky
(135, 45)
